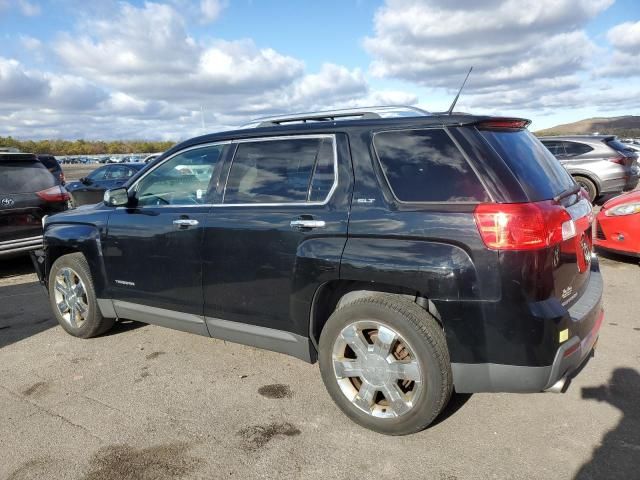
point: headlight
(626, 209)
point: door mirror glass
(117, 197)
(86, 181)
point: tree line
(85, 147)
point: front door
(277, 236)
(153, 250)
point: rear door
(278, 234)
(21, 209)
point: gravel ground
(147, 402)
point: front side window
(182, 180)
(119, 173)
(98, 174)
(426, 166)
(281, 171)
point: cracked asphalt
(147, 402)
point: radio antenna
(455, 100)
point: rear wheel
(588, 185)
(73, 299)
(385, 363)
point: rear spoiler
(17, 157)
(502, 123)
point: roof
(595, 138)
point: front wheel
(73, 298)
(385, 363)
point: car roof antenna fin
(455, 100)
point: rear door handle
(186, 222)
(308, 223)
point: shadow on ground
(24, 311)
(15, 266)
(618, 455)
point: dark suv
(28, 192)
(411, 255)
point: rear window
(536, 169)
(426, 166)
(24, 177)
(618, 146)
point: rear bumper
(20, 245)
(569, 358)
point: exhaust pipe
(559, 386)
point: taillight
(523, 226)
(620, 160)
(54, 194)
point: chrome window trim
(173, 155)
(332, 136)
(432, 202)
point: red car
(618, 225)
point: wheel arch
(335, 294)
(63, 239)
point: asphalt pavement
(148, 402)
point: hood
(622, 199)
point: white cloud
(30, 43)
(515, 46)
(626, 37)
(625, 59)
(211, 9)
(28, 8)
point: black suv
(28, 192)
(410, 255)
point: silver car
(601, 164)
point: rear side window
(48, 161)
(574, 149)
(618, 146)
(556, 148)
(536, 169)
(281, 171)
(24, 177)
(426, 166)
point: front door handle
(308, 223)
(185, 222)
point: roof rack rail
(361, 113)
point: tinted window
(618, 146)
(426, 166)
(280, 171)
(182, 180)
(48, 161)
(540, 174)
(24, 177)
(556, 148)
(98, 174)
(119, 173)
(574, 149)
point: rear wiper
(566, 193)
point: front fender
(61, 239)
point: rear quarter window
(24, 177)
(540, 174)
(426, 166)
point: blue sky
(134, 69)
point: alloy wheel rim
(376, 369)
(71, 297)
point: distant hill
(627, 126)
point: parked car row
(601, 164)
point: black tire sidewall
(426, 407)
(591, 187)
(94, 321)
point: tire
(72, 269)
(588, 185)
(419, 342)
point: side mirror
(117, 197)
(86, 181)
